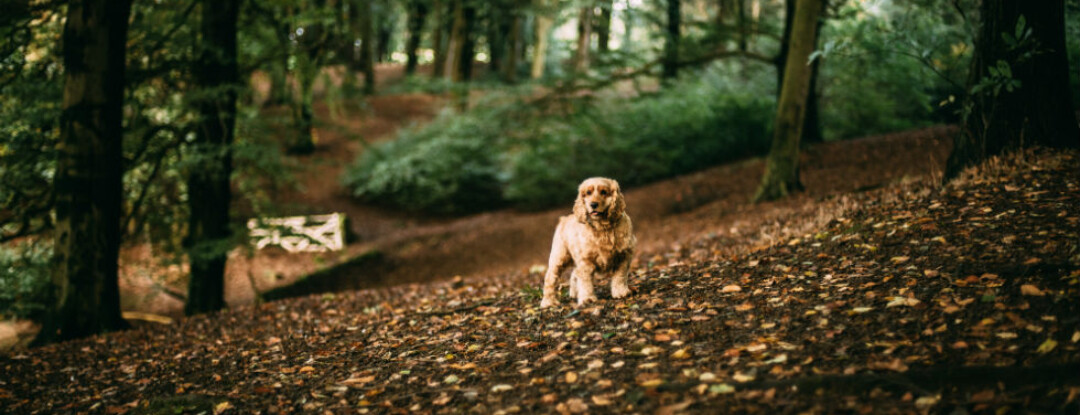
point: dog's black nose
(593, 205)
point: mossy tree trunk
(671, 40)
(418, 10)
(87, 183)
(543, 29)
(508, 70)
(1028, 101)
(782, 165)
(812, 126)
(438, 41)
(468, 41)
(209, 191)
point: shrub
(24, 279)
(505, 152)
(445, 168)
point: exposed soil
(908, 298)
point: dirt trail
(712, 202)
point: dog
(598, 239)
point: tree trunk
(209, 192)
(87, 184)
(782, 165)
(367, 46)
(603, 27)
(812, 127)
(1029, 106)
(417, 13)
(584, 40)
(438, 24)
(671, 41)
(740, 21)
(543, 26)
(468, 41)
(456, 43)
(513, 43)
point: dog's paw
(548, 302)
(586, 299)
(619, 291)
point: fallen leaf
(502, 387)
(452, 379)
(222, 407)
(358, 381)
(571, 377)
(1029, 289)
(721, 388)
(599, 400)
(742, 377)
(1047, 346)
(731, 288)
(681, 354)
(899, 259)
(926, 402)
(744, 307)
(1006, 335)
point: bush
(445, 168)
(504, 152)
(25, 279)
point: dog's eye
(603, 192)
(589, 193)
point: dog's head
(599, 199)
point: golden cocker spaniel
(598, 239)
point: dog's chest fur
(611, 248)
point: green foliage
(695, 124)
(506, 152)
(446, 167)
(24, 279)
(889, 68)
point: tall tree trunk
(350, 18)
(584, 40)
(209, 192)
(628, 31)
(1038, 110)
(512, 46)
(456, 43)
(740, 21)
(543, 27)
(671, 40)
(417, 13)
(438, 24)
(782, 165)
(812, 127)
(367, 46)
(603, 27)
(87, 183)
(468, 41)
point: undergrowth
(506, 151)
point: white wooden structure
(316, 233)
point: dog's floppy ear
(579, 209)
(620, 202)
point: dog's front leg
(583, 273)
(619, 287)
(572, 291)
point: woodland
(866, 206)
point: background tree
(543, 25)
(209, 186)
(782, 165)
(671, 40)
(1018, 85)
(417, 13)
(584, 39)
(367, 45)
(812, 126)
(89, 171)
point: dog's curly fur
(598, 239)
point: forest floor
(912, 297)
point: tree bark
(209, 191)
(87, 182)
(417, 13)
(513, 43)
(455, 42)
(782, 165)
(468, 41)
(543, 26)
(812, 127)
(584, 41)
(1037, 111)
(740, 21)
(671, 41)
(438, 24)
(367, 46)
(603, 27)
